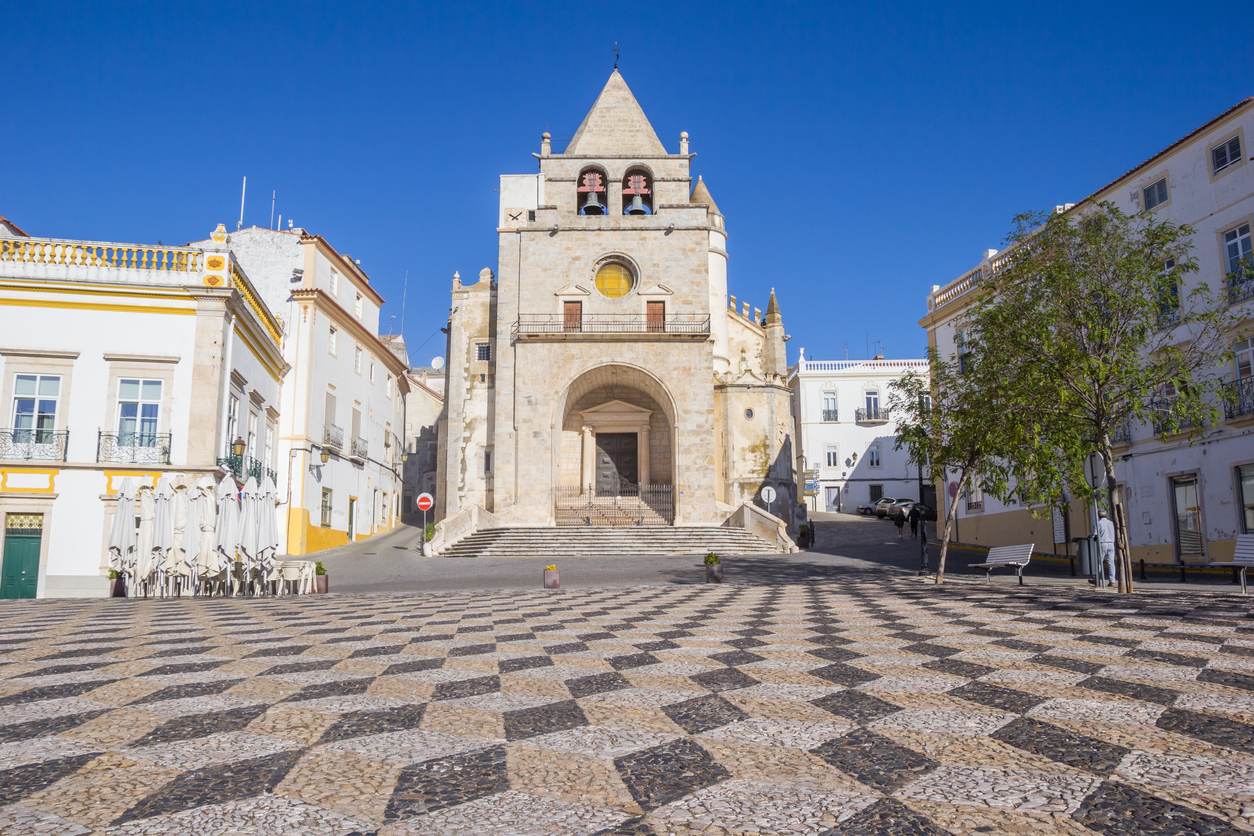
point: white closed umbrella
(163, 526)
(226, 537)
(180, 513)
(143, 563)
(122, 533)
(203, 555)
(248, 545)
(267, 525)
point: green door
(19, 569)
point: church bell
(636, 207)
(591, 206)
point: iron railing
(133, 448)
(1241, 282)
(333, 436)
(627, 506)
(830, 415)
(1122, 433)
(540, 324)
(1164, 422)
(360, 448)
(243, 467)
(1238, 398)
(871, 416)
(34, 445)
(1168, 317)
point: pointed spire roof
(701, 194)
(616, 126)
(773, 316)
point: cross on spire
(616, 54)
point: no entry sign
(425, 501)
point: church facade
(602, 375)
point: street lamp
(238, 446)
(325, 455)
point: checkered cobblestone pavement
(851, 706)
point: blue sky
(860, 154)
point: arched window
(637, 192)
(591, 192)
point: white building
(1187, 497)
(345, 395)
(846, 435)
(115, 361)
(423, 405)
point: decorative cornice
(354, 325)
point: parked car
(899, 509)
(881, 507)
(867, 509)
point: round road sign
(425, 501)
(768, 494)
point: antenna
(243, 190)
(404, 292)
(274, 193)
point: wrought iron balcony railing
(1122, 433)
(605, 324)
(34, 445)
(830, 415)
(1241, 282)
(133, 448)
(1238, 398)
(333, 436)
(871, 416)
(243, 467)
(360, 449)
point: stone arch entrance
(614, 449)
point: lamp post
(238, 446)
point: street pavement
(872, 702)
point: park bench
(1242, 557)
(998, 556)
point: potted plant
(117, 584)
(551, 579)
(320, 578)
(713, 568)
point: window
(1225, 154)
(614, 279)
(1244, 353)
(1245, 487)
(372, 371)
(975, 495)
(876, 492)
(873, 455)
(1155, 194)
(139, 408)
(1237, 248)
(833, 457)
(232, 419)
(326, 507)
(487, 461)
(483, 351)
(829, 406)
(269, 454)
(637, 193)
(357, 306)
(357, 359)
(963, 350)
(335, 282)
(389, 387)
(35, 399)
(333, 341)
(251, 446)
(872, 404)
(591, 192)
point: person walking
(914, 521)
(900, 522)
(1106, 543)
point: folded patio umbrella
(180, 521)
(248, 507)
(143, 564)
(267, 524)
(226, 534)
(122, 532)
(203, 555)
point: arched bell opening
(637, 192)
(591, 192)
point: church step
(554, 542)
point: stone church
(603, 376)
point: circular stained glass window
(614, 279)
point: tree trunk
(1123, 555)
(950, 515)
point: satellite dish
(437, 363)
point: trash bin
(1086, 550)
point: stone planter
(551, 579)
(426, 549)
(322, 583)
(714, 573)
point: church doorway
(617, 464)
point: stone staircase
(576, 542)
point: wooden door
(655, 316)
(616, 463)
(1190, 542)
(19, 572)
(572, 316)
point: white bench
(1016, 556)
(1242, 557)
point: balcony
(1238, 398)
(33, 445)
(360, 449)
(611, 327)
(1241, 281)
(1121, 435)
(1168, 317)
(830, 416)
(245, 466)
(333, 436)
(871, 416)
(1163, 422)
(133, 448)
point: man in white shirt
(1106, 542)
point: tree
(1088, 311)
(954, 424)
